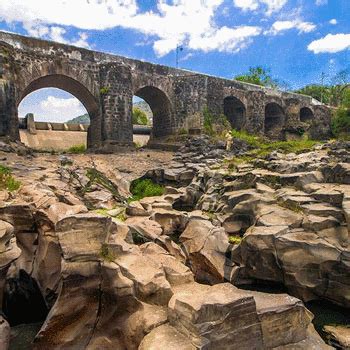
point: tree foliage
(332, 94)
(258, 76)
(139, 117)
(341, 119)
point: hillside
(84, 119)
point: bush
(141, 188)
(215, 125)
(139, 117)
(341, 123)
(234, 239)
(264, 147)
(78, 149)
(7, 181)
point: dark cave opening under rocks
(23, 302)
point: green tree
(341, 119)
(318, 92)
(139, 117)
(258, 76)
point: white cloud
(246, 5)
(50, 108)
(225, 39)
(174, 22)
(333, 21)
(55, 33)
(252, 5)
(331, 43)
(60, 109)
(281, 26)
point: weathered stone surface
(308, 265)
(166, 337)
(282, 315)
(4, 334)
(82, 236)
(171, 221)
(20, 216)
(216, 317)
(143, 229)
(338, 336)
(205, 247)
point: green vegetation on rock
(78, 149)
(141, 188)
(7, 181)
(106, 254)
(341, 118)
(234, 239)
(261, 147)
(215, 125)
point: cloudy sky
(297, 39)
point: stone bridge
(105, 84)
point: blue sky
(296, 39)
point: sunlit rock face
(180, 270)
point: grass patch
(262, 147)
(7, 181)
(234, 239)
(141, 188)
(290, 205)
(106, 212)
(78, 149)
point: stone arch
(77, 89)
(274, 120)
(306, 115)
(161, 108)
(235, 111)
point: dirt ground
(130, 165)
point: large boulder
(206, 247)
(310, 266)
(216, 317)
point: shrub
(7, 181)
(214, 125)
(263, 147)
(141, 188)
(341, 123)
(234, 239)
(78, 149)
(104, 90)
(182, 131)
(139, 117)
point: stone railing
(32, 126)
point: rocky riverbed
(226, 258)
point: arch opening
(274, 120)
(160, 105)
(235, 112)
(306, 115)
(142, 120)
(72, 90)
